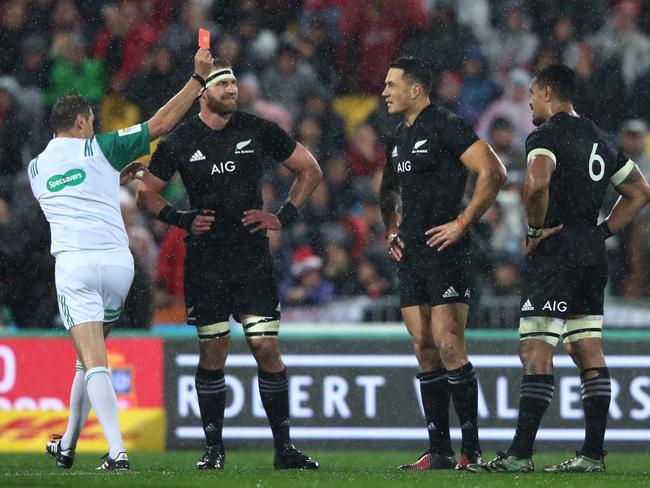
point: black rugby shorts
(426, 281)
(220, 284)
(553, 289)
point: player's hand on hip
(261, 219)
(133, 171)
(203, 62)
(443, 236)
(395, 246)
(202, 223)
(533, 242)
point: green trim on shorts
(65, 310)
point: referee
(220, 156)
(427, 162)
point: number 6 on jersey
(595, 158)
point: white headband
(219, 75)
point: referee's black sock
(435, 400)
(596, 397)
(274, 392)
(464, 393)
(211, 390)
(535, 396)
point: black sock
(274, 391)
(464, 393)
(596, 397)
(535, 396)
(435, 400)
(211, 390)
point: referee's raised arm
(164, 120)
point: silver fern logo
(239, 147)
(418, 145)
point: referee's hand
(261, 219)
(532, 243)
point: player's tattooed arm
(536, 190)
(635, 195)
(390, 199)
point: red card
(204, 38)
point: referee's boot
(213, 458)
(579, 464)
(431, 460)
(64, 457)
(503, 463)
(120, 463)
(289, 457)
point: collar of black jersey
(422, 113)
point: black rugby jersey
(222, 170)
(426, 159)
(587, 159)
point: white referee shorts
(92, 286)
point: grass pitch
(338, 468)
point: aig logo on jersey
(222, 168)
(418, 145)
(239, 147)
(404, 167)
(555, 306)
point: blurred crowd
(316, 68)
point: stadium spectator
(478, 87)
(600, 95)
(337, 179)
(250, 102)
(512, 44)
(124, 41)
(449, 93)
(318, 49)
(501, 136)
(308, 132)
(307, 286)
(13, 21)
(73, 71)
(26, 266)
(318, 104)
(156, 81)
(450, 38)
(370, 36)
(34, 70)
(13, 129)
(622, 39)
(365, 154)
(180, 35)
(288, 80)
(513, 105)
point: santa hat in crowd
(305, 259)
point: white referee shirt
(77, 184)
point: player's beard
(222, 108)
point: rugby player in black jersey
(220, 155)
(571, 162)
(427, 161)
